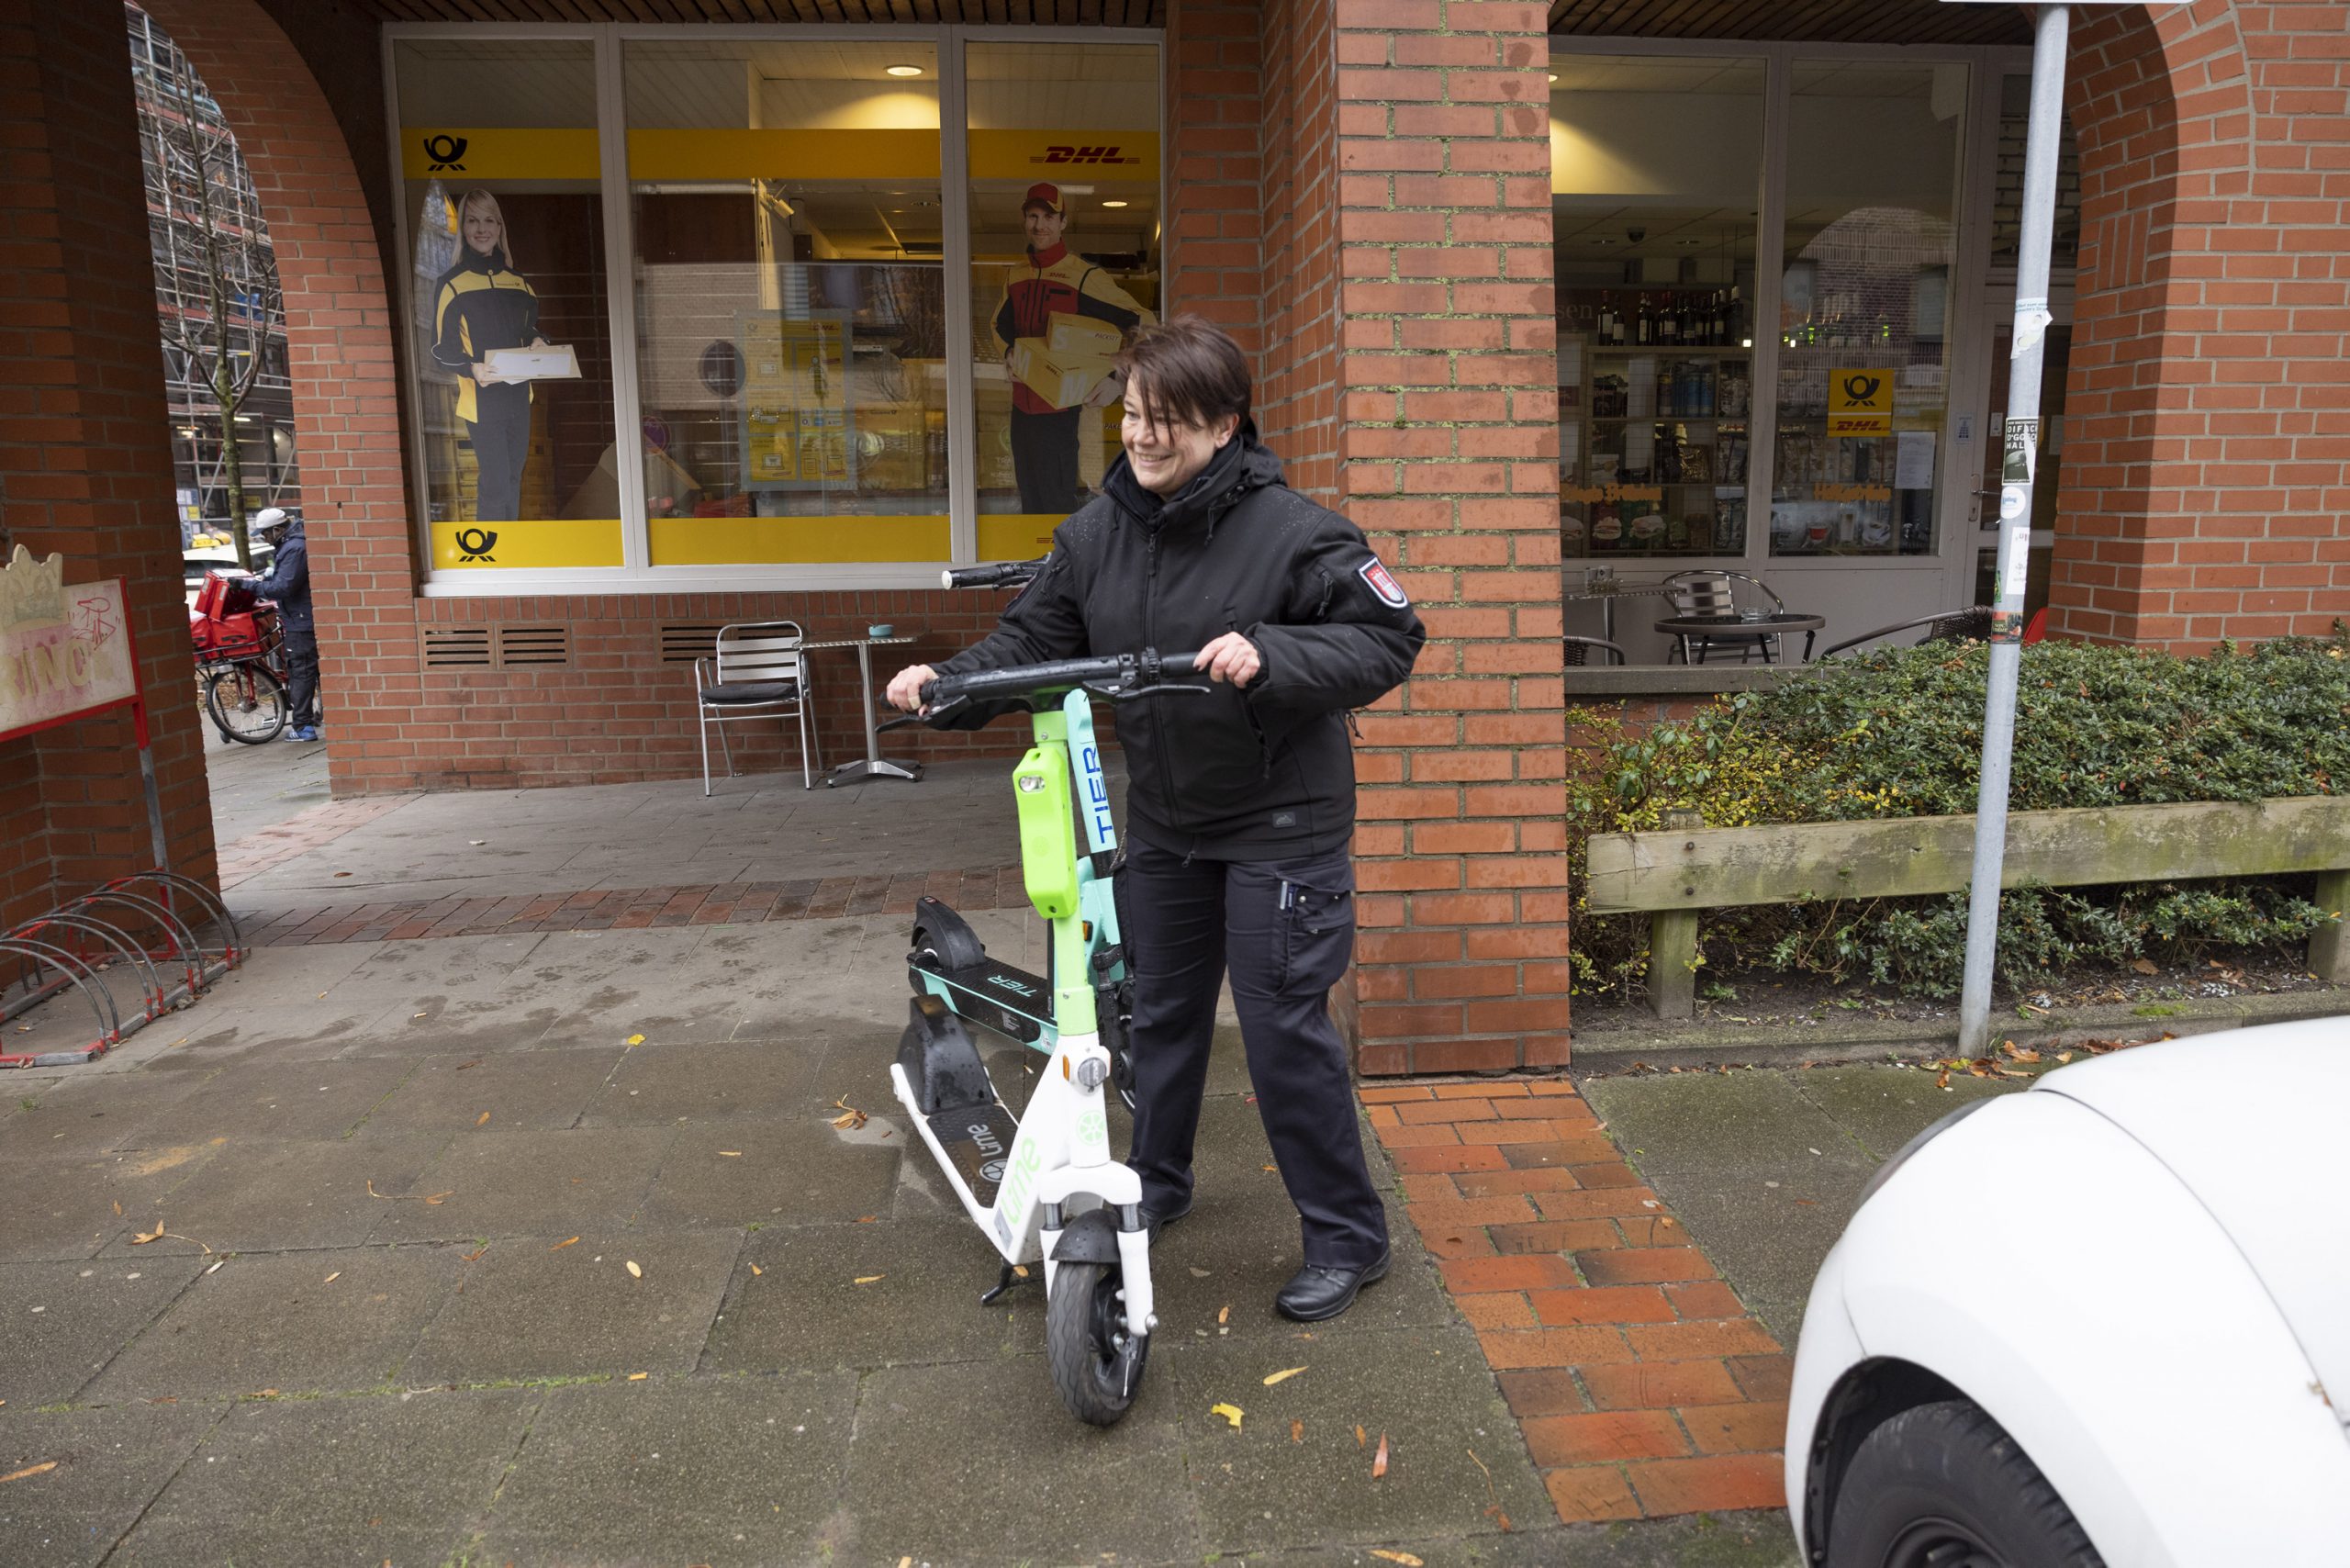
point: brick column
(85, 432)
(2207, 473)
(1448, 442)
(1216, 232)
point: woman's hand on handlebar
(1231, 657)
(906, 687)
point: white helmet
(269, 518)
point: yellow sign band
(744, 540)
(1092, 157)
(783, 154)
(1017, 536)
(464, 155)
(531, 543)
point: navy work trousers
(1285, 929)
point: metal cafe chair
(756, 671)
(1579, 651)
(1971, 623)
(1719, 595)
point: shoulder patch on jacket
(1385, 587)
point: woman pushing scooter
(1241, 803)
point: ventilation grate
(533, 645)
(683, 642)
(456, 647)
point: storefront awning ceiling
(1795, 21)
(1055, 13)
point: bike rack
(74, 945)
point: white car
(2104, 1320)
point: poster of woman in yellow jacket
(481, 306)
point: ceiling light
(903, 70)
(1554, 76)
(1113, 204)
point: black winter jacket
(288, 581)
(1266, 773)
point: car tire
(1945, 1483)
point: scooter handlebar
(995, 574)
(1114, 675)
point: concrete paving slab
(282, 976)
(977, 1463)
(662, 1083)
(220, 1030)
(271, 1099)
(455, 1027)
(281, 1196)
(71, 1119)
(444, 966)
(65, 1208)
(293, 1483)
(65, 1320)
(1749, 1539)
(1714, 1121)
(804, 1310)
(717, 1472)
(273, 1321)
(534, 1091)
(531, 1184)
(1884, 1107)
(1428, 1390)
(770, 1171)
(533, 1308)
(110, 1465)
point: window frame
(637, 574)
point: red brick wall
(84, 434)
(1450, 443)
(2206, 475)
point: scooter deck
(996, 996)
(978, 1139)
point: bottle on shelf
(1668, 324)
(1646, 332)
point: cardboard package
(1064, 379)
(1072, 336)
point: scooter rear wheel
(1096, 1364)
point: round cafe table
(872, 764)
(1696, 634)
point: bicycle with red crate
(240, 659)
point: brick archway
(339, 329)
(2183, 517)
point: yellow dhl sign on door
(460, 153)
(1860, 402)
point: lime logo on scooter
(1027, 1160)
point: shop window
(790, 302)
(1655, 180)
(1065, 225)
(1864, 307)
(509, 316)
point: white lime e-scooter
(1042, 1186)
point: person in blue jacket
(288, 583)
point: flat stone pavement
(456, 1267)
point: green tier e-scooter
(1043, 1186)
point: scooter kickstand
(1013, 1275)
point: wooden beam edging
(1676, 872)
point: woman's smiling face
(1168, 454)
(485, 230)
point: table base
(863, 768)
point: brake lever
(1114, 692)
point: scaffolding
(216, 293)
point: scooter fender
(1091, 1238)
(1117, 1185)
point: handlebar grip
(995, 574)
(1019, 680)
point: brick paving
(1643, 1386)
(629, 909)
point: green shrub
(1899, 733)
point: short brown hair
(1191, 371)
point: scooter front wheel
(1096, 1364)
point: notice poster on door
(796, 422)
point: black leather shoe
(1153, 1221)
(1312, 1294)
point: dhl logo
(1059, 154)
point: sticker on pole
(1390, 592)
(2019, 456)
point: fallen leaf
(729, 1154)
(634, 1040)
(849, 1120)
(482, 1119)
(463, 1064)
(756, 1270)
(476, 1253)
(866, 1219)
(1202, 1273)
(117, 1210)
(2064, 1056)
(561, 1244)
(41, 1468)
(1223, 1314)
(1405, 1558)
(1229, 1412)
(1379, 1460)
(331, 1278)
(868, 1279)
(1297, 1431)
(1943, 1081)
(634, 1271)
(265, 1394)
(2145, 966)
(1361, 1435)
(905, 1562)
(141, 1238)
(1020, 1270)
(1283, 1375)
(1274, 1168)
(436, 1198)
(638, 1377)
